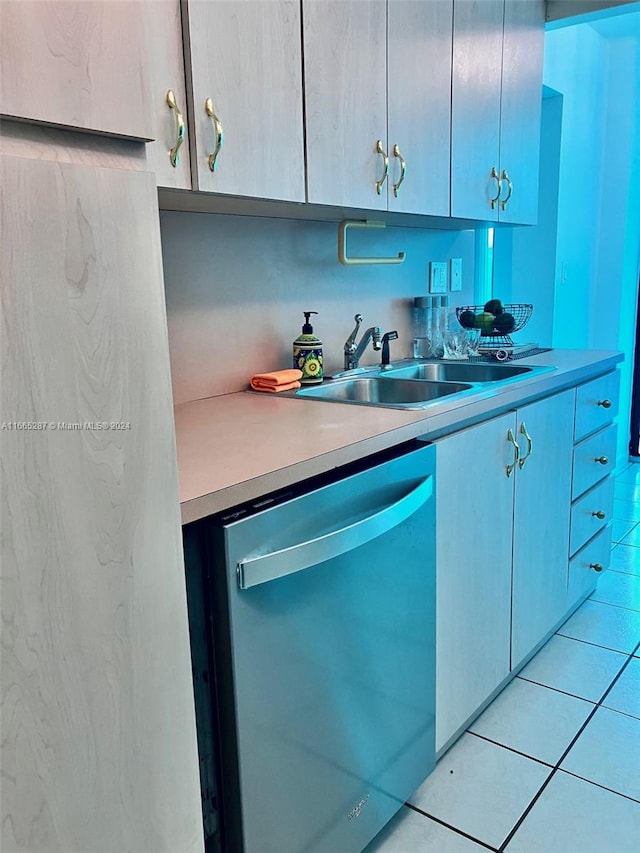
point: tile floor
(553, 764)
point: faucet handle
(350, 343)
(388, 336)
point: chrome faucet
(352, 351)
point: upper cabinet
(419, 108)
(496, 107)
(168, 155)
(77, 65)
(377, 104)
(244, 81)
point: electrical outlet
(455, 274)
(438, 277)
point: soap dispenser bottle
(307, 353)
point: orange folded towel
(278, 380)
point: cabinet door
(475, 118)
(345, 61)
(419, 95)
(521, 106)
(473, 588)
(246, 57)
(541, 521)
(98, 734)
(76, 64)
(166, 156)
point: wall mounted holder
(342, 243)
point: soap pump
(307, 353)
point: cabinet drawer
(587, 470)
(592, 411)
(582, 576)
(585, 522)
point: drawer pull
(174, 157)
(606, 404)
(599, 514)
(516, 452)
(496, 177)
(212, 159)
(603, 460)
(385, 166)
(597, 567)
(523, 431)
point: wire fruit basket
(497, 334)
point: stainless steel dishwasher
(323, 602)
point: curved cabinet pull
(523, 431)
(599, 514)
(603, 460)
(385, 166)
(174, 156)
(403, 170)
(505, 177)
(516, 452)
(497, 178)
(208, 106)
(606, 404)
(597, 567)
(256, 570)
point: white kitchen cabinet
(496, 108)
(98, 732)
(77, 65)
(345, 84)
(168, 154)
(474, 509)
(377, 104)
(541, 515)
(244, 82)
(502, 550)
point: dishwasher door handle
(268, 567)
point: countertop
(236, 447)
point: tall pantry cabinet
(98, 732)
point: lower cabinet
(98, 732)
(503, 509)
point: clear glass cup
(454, 342)
(473, 342)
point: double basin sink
(415, 384)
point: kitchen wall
(597, 68)
(236, 287)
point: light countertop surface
(236, 447)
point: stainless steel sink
(395, 393)
(458, 372)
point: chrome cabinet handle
(606, 404)
(497, 178)
(597, 567)
(208, 106)
(287, 561)
(599, 514)
(516, 452)
(403, 169)
(523, 431)
(603, 460)
(505, 177)
(385, 166)
(180, 131)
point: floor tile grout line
(565, 692)
(557, 767)
(511, 749)
(596, 645)
(453, 828)
(597, 784)
(611, 604)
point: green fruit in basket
(494, 306)
(467, 319)
(485, 322)
(505, 323)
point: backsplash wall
(236, 288)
